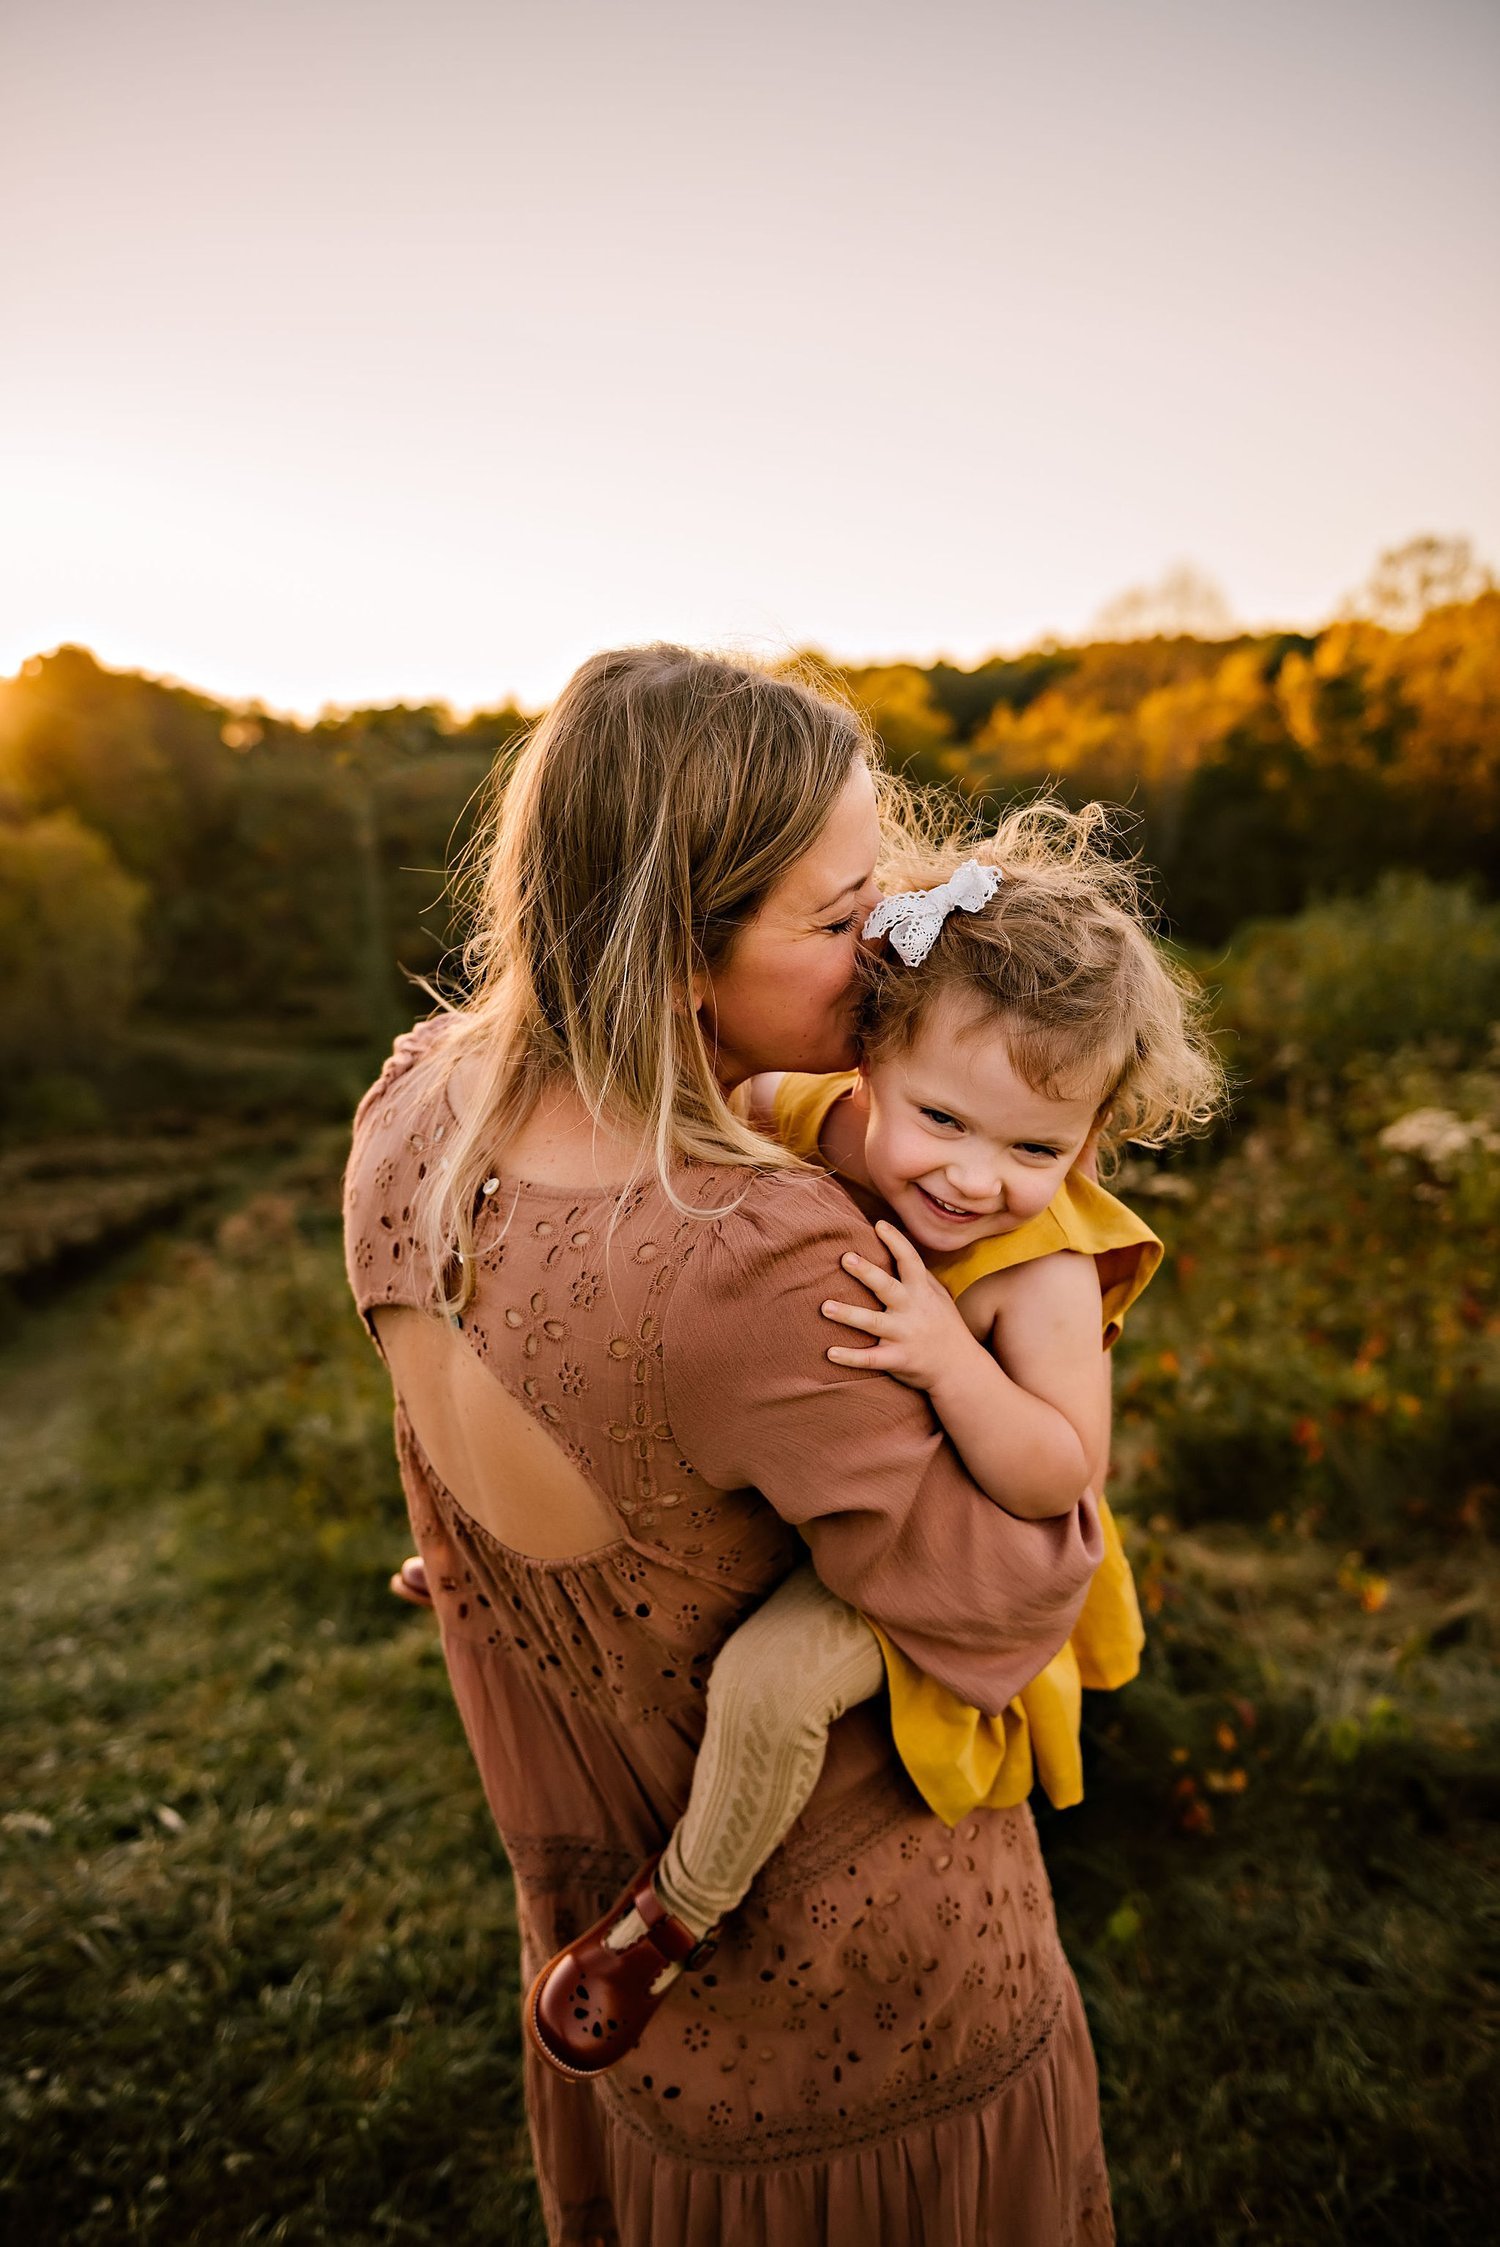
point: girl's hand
(918, 1329)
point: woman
(611, 1442)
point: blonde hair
(1064, 960)
(641, 825)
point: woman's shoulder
(397, 1125)
(420, 1043)
(751, 1223)
(779, 1205)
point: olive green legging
(790, 1669)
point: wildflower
(1363, 1584)
(1439, 1138)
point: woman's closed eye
(857, 915)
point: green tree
(141, 763)
(70, 929)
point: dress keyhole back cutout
(486, 1449)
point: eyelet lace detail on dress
(885, 1978)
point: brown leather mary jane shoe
(410, 1583)
(590, 2005)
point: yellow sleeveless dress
(961, 1759)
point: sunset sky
(352, 350)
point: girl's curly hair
(1065, 961)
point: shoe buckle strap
(670, 1935)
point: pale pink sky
(351, 350)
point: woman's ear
(696, 996)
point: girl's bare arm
(1027, 1407)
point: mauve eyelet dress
(888, 2045)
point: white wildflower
(1439, 1138)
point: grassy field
(256, 1947)
(258, 1950)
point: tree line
(164, 856)
(1262, 772)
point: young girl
(1021, 1014)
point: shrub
(1324, 1339)
(1417, 960)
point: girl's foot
(410, 1583)
(591, 2004)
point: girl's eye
(940, 1116)
(1029, 1147)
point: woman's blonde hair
(640, 826)
(1065, 962)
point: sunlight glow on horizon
(353, 357)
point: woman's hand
(918, 1329)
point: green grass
(258, 1951)
(1282, 1898)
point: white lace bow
(913, 918)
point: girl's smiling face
(958, 1144)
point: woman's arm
(978, 1598)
